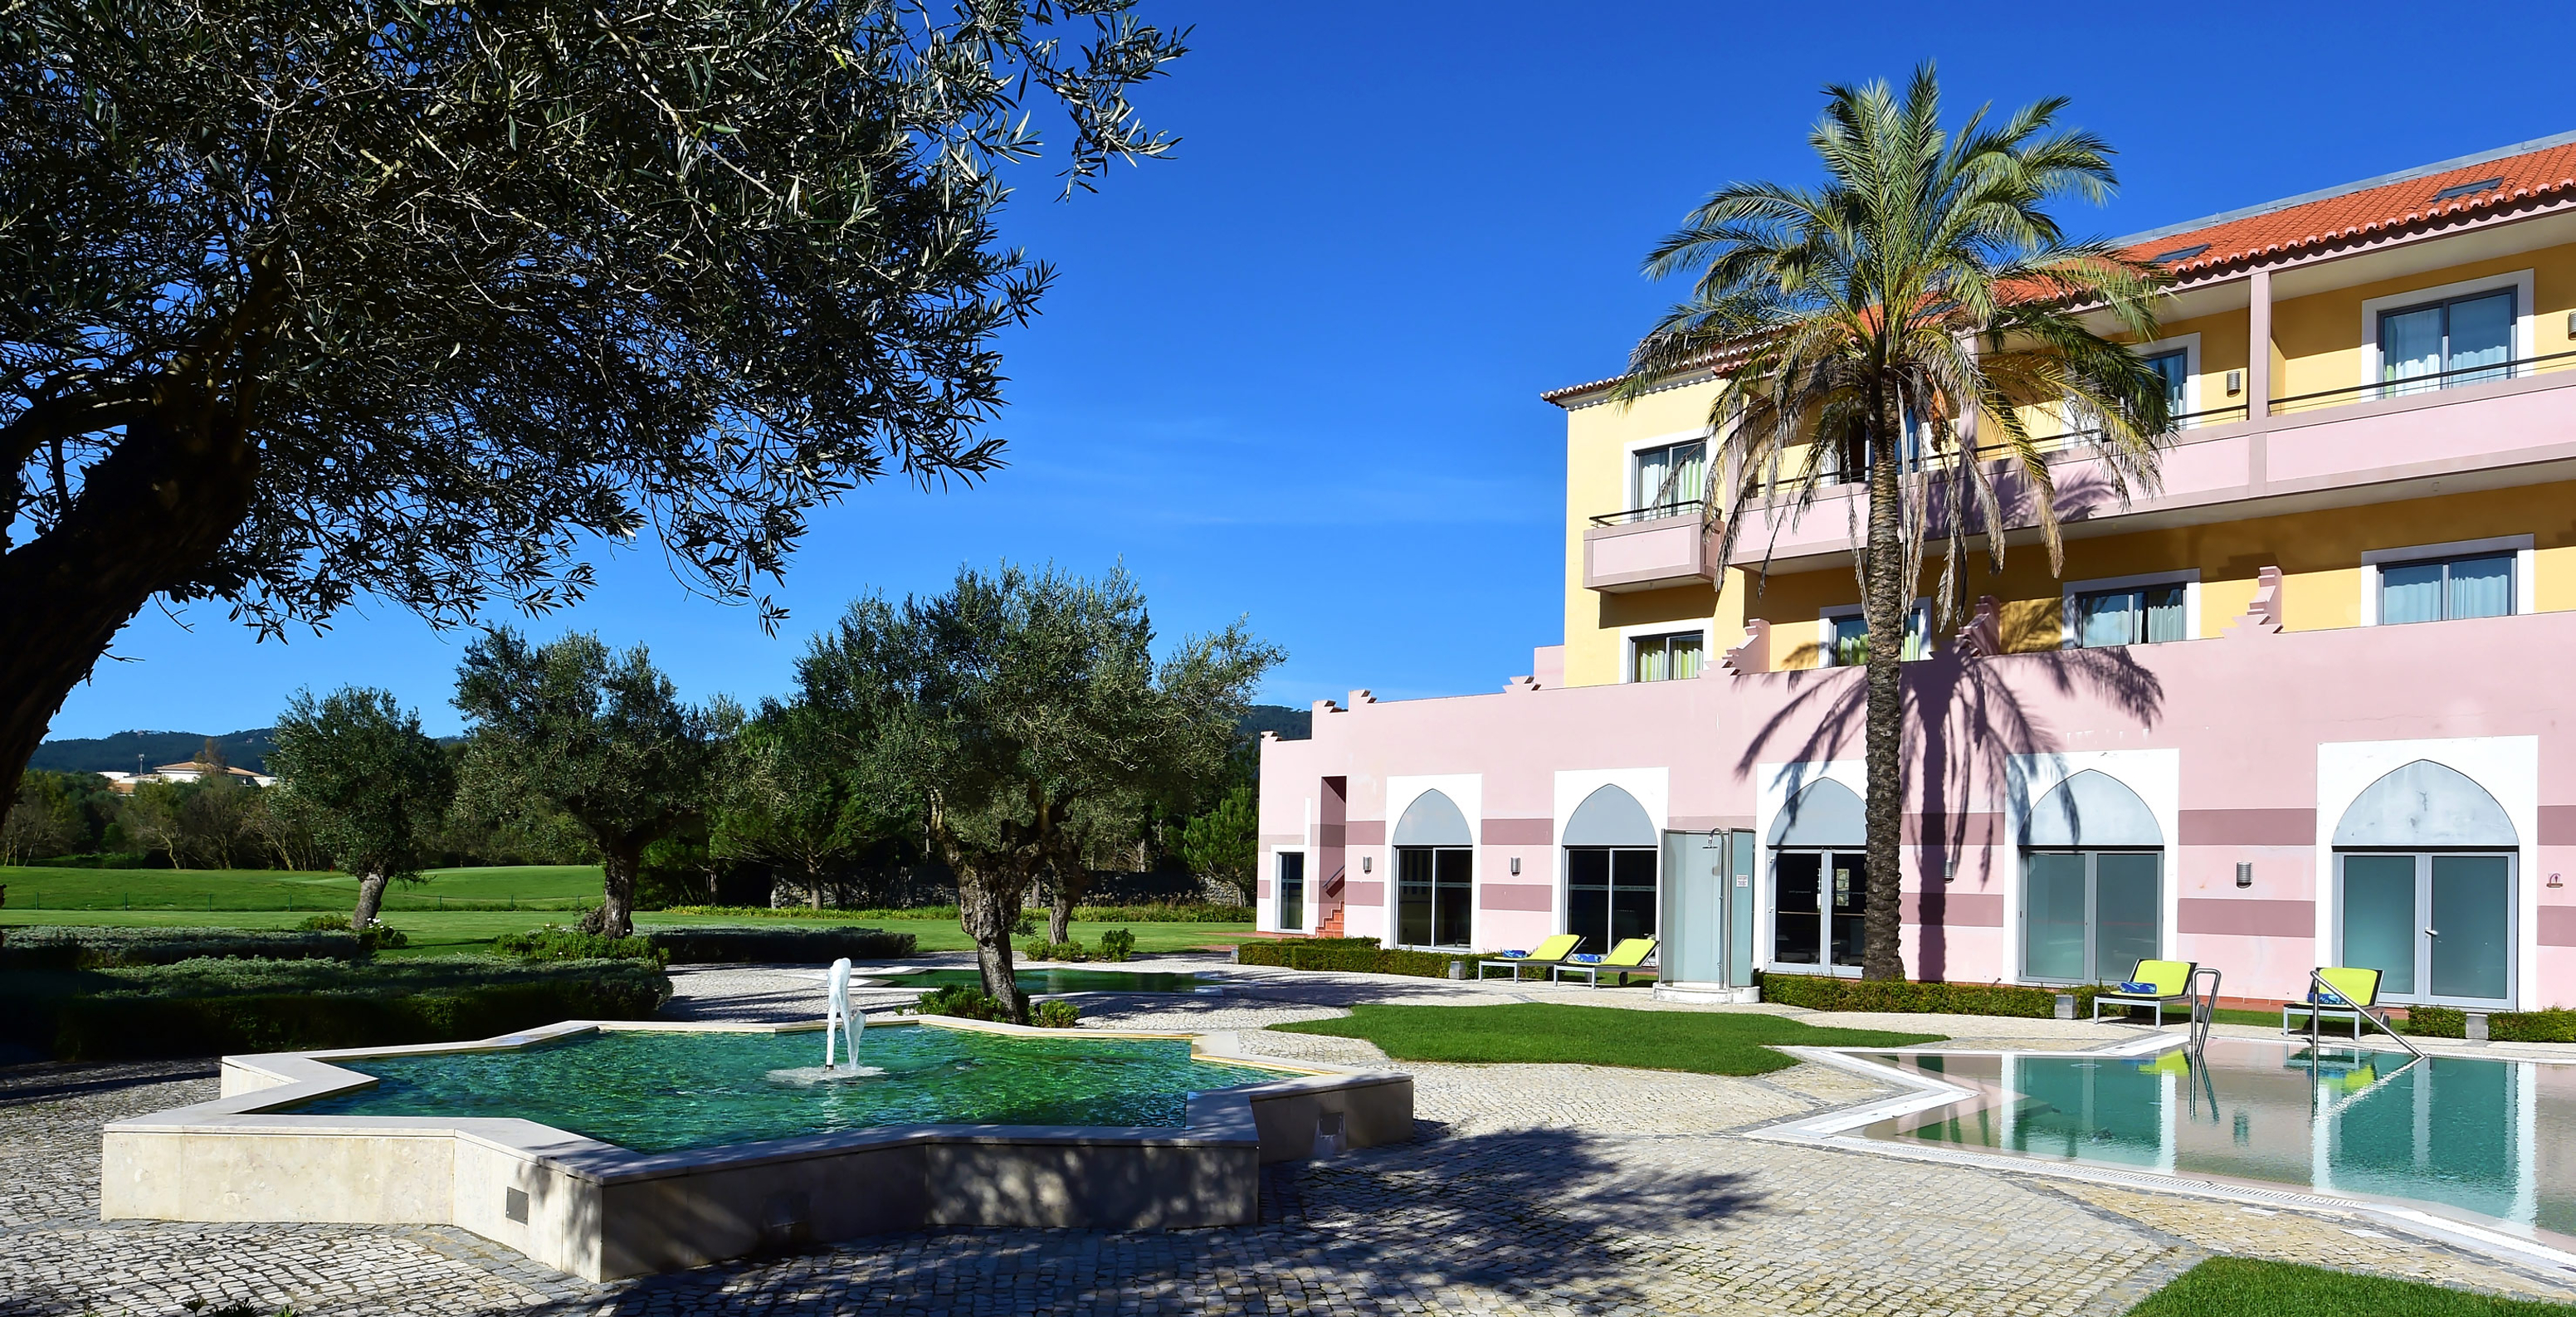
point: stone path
(1531, 1189)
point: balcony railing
(2433, 383)
(1631, 516)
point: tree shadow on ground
(1551, 1216)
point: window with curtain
(2444, 588)
(2440, 345)
(2142, 615)
(1850, 645)
(1671, 479)
(1668, 658)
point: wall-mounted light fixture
(1364, 863)
(2554, 882)
(2235, 382)
(2244, 873)
(1950, 869)
(1516, 866)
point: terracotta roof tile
(2548, 174)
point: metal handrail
(1651, 513)
(2512, 368)
(2204, 1008)
(2317, 984)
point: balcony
(1647, 549)
(2511, 423)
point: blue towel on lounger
(2327, 999)
(1511, 955)
(2138, 989)
(1584, 958)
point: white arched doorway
(2092, 882)
(1435, 874)
(1819, 881)
(2425, 888)
(1609, 870)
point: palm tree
(1889, 322)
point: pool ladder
(2204, 1005)
(2318, 987)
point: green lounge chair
(2350, 994)
(2168, 981)
(1550, 952)
(1628, 955)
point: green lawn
(2246, 1287)
(1706, 1042)
(531, 886)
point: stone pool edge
(604, 1212)
(1833, 1130)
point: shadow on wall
(1528, 1214)
(1964, 720)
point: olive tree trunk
(1886, 598)
(1071, 883)
(371, 898)
(618, 865)
(988, 905)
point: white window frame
(2189, 580)
(2189, 346)
(2524, 562)
(1628, 459)
(1278, 898)
(2524, 321)
(1630, 635)
(1826, 617)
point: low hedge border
(1349, 955)
(74, 947)
(1188, 912)
(2555, 1025)
(734, 945)
(1820, 992)
(211, 1007)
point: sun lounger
(2337, 993)
(1626, 956)
(1549, 953)
(2156, 983)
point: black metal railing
(2459, 377)
(1657, 512)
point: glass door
(2090, 916)
(2438, 926)
(1292, 890)
(1819, 909)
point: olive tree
(307, 299)
(601, 738)
(1000, 712)
(356, 771)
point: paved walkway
(1530, 1189)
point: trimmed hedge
(213, 1006)
(2555, 1025)
(69, 947)
(1349, 955)
(556, 942)
(734, 944)
(1182, 912)
(1820, 992)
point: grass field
(2245, 1287)
(457, 910)
(1532, 1033)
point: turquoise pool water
(655, 1091)
(2489, 1141)
(1051, 980)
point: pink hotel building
(2308, 703)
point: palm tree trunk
(1886, 596)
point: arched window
(2092, 882)
(2424, 887)
(1435, 874)
(1819, 880)
(1609, 870)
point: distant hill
(116, 754)
(1291, 724)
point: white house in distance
(184, 771)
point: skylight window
(2179, 254)
(2469, 189)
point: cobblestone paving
(1534, 1189)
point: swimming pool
(2487, 1142)
(1043, 980)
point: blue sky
(1294, 371)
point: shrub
(2440, 1022)
(1055, 1015)
(1349, 955)
(962, 1002)
(2555, 1025)
(1824, 993)
(1041, 949)
(736, 944)
(376, 936)
(1178, 912)
(76, 948)
(556, 942)
(211, 1006)
(1117, 944)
